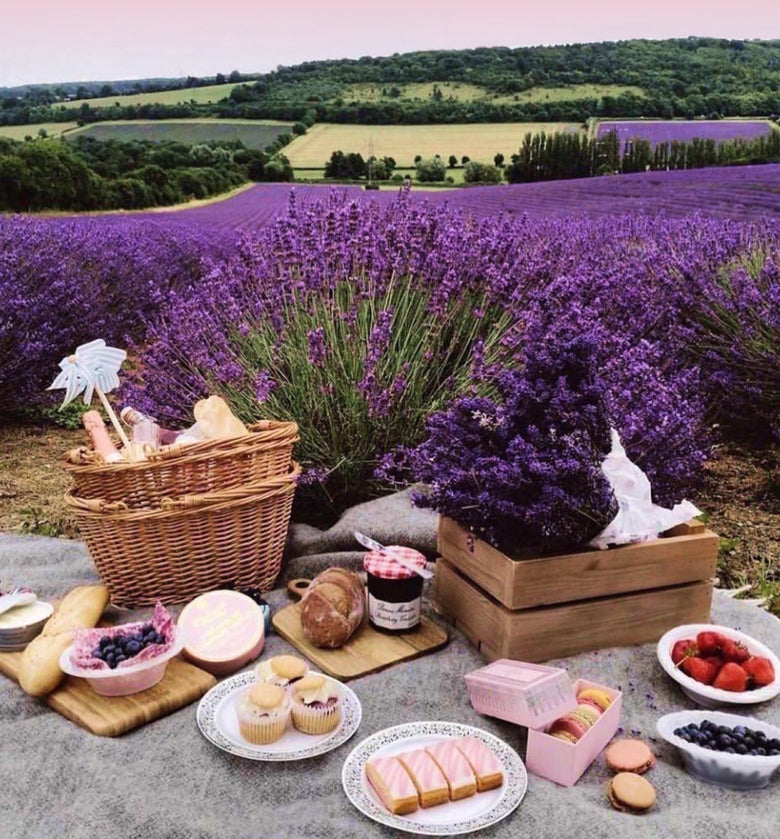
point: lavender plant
(524, 470)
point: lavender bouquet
(523, 469)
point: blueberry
(760, 737)
(740, 749)
(159, 639)
(133, 648)
(761, 751)
(677, 732)
(774, 743)
(752, 752)
(729, 750)
(740, 729)
(724, 741)
(749, 742)
(686, 736)
(774, 752)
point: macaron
(596, 698)
(574, 724)
(631, 793)
(629, 756)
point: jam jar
(394, 592)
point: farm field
(739, 193)
(666, 131)
(253, 133)
(19, 132)
(480, 141)
(200, 95)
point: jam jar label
(394, 615)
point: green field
(19, 132)
(479, 141)
(464, 92)
(256, 134)
(201, 95)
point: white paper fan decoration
(92, 366)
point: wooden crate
(566, 629)
(686, 554)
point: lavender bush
(64, 282)
(524, 470)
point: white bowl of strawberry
(715, 665)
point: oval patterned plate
(456, 817)
(218, 723)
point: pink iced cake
(455, 768)
(487, 768)
(392, 784)
(428, 779)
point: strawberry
(760, 671)
(709, 642)
(683, 649)
(699, 669)
(735, 651)
(731, 677)
(715, 660)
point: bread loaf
(39, 667)
(332, 608)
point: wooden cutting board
(110, 716)
(367, 651)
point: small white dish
(123, 681)
(218, 723)
(720, 768)
(706, 695)
(454, 818)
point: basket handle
(261, 491)
(96, 505)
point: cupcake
(316, 705)
(263, 711)
(281, 670)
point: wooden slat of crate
(529, 582)
(567, 629)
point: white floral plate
(218, 723)
(465, 816)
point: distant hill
(685, 77)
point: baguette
(39, 667)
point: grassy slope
(201, 95)
(480, 141)
(19, 132)
(465, 92)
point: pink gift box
(527, 694)
(564, 762)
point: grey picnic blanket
(165, 781)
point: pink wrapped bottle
(101, 442)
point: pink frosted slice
(396, 779)
(479, 756)
(424, 769)
(455, 767)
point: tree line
(684, 77)
(87, 174)
(547, 157)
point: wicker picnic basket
(232, 537)
(195, 469)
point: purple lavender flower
(318, 350)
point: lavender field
(738, 192)
(667, 131)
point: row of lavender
(739, 192)
(359, 319)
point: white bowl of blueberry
(724, 749)
(121, 660)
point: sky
(83, 40)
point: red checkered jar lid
(380, 564)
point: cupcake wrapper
(316, 720)
(262, 730)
